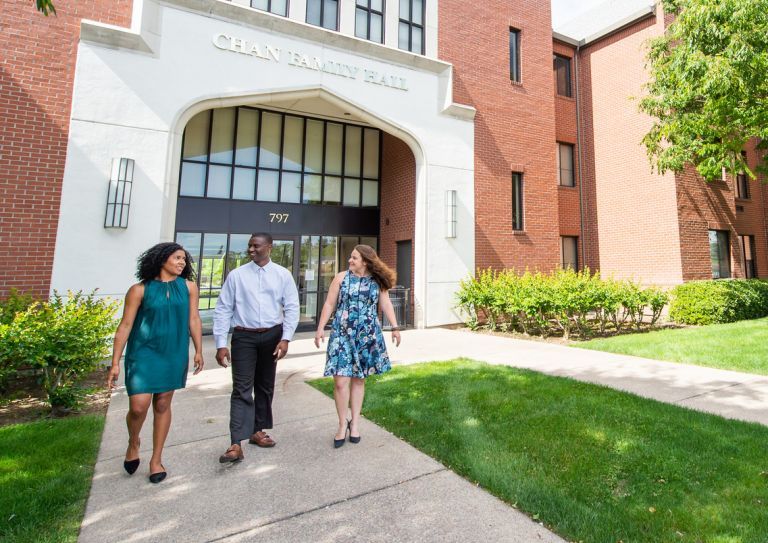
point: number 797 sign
(279, 217)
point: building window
(569, 252)
(278, 7)
(369, 20)
(742, 182)
(563, 75)
(411, 26)
(514, 55)
(748, 256)
(719, 254)
(323, 13)
(517, 201)
(244, 153)
(565, 164)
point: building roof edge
(621, 24)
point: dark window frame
(750, 271)
(721, 266)
(514, 55)
(322, 15)
(575, 252)
(566, 63)
(369, 11)
(518, 196)
(411, 25)
(269, 8)
(560, 168)
(742, 182)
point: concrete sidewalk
(379, 490)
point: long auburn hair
(381, 273)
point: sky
(565, 10)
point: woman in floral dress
(356, 347)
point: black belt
(255, 330)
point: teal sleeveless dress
(157, 353)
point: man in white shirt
(260, 301)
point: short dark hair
(151, 260)
(264, 236)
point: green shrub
(713, 302)
(9, 307)
(14, 303)
(566, 302)
(64, 339)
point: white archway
(281, 97)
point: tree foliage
(45, 7)
(708, 90)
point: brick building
(450, 136)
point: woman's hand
(396, 337)
(319, 337)
(112, 375)
(199, 363)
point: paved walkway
(380, 490)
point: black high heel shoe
(340, 442)
(157, 477)
(352, 439)
(131, 465)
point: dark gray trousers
(253, 382)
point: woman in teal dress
(159, 316)
(356, 348)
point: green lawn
(591, 463)
(45, 475)
(740, 346)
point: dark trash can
(398, 295)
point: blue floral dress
(356, 347)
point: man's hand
(281, 350)
(222, 357)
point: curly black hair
(151, 260)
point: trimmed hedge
(564, 302)
(715, 302)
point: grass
(45, 475)
(591, 463)
(739, 346)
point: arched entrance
(309, 174)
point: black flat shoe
(352, 439)
(131, 465)
(157, 477)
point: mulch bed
(24, 401)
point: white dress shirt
(256, 297)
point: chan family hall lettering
(298, 59)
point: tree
(708, 89)
(45, 7)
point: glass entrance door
(314, 261)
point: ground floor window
(719, 254)
(748, 256)
(569, 252)
(312, 259)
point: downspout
(579, 143)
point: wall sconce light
(119, 194)
(450, 213)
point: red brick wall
(514, 125)
(36, 78)
(398, 198)
(631, 211)
(704, 206)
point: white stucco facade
(135, 89)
